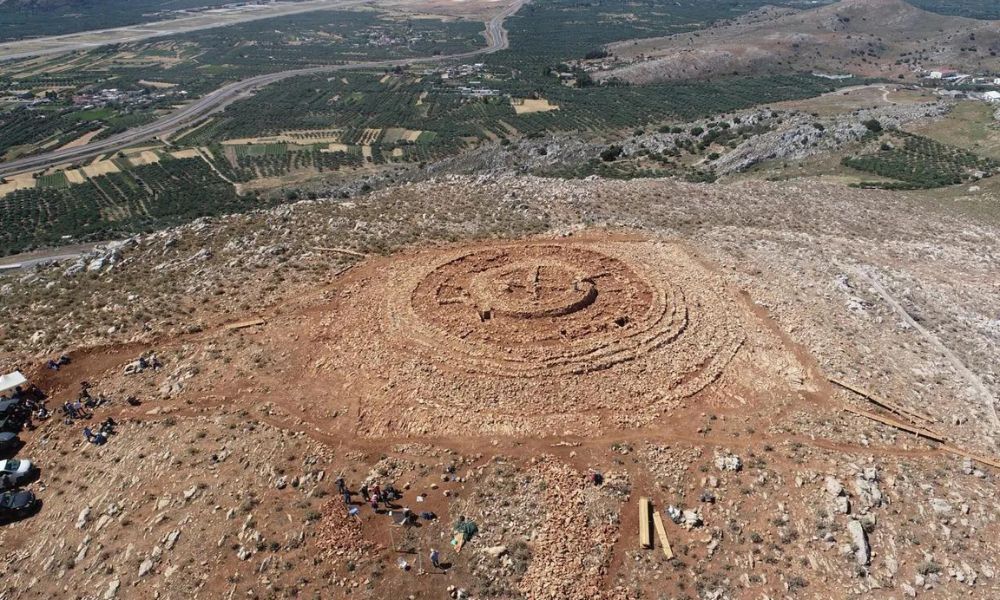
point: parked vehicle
(17, 504)
(18, 469)
(8, 440)
(9, 407)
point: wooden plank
(645, 537)
(931, 435)
(976, 457)
(662, 534)
(245, 324)
(890, 406)
(926, 433)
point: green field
(202, 61)
(260, 150)
(975, 9)
(255, 161)
(452, 115)
(19, 20)
(54, 180)
(140, 199)
(451, 122)
(970, 125)
(915, 162)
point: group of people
(373, 495)
(102, 434)
(84, 405)
(29, 405)
(58, 363)
(23, 407)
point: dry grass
(84, 139)
(74, 176)
(17, 182)
(101, 167)
(532, 105)
(970, 125)
(146, 157)
(159, 85)
(187, 153)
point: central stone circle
(540, 309)
(531, 290)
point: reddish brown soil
(615, 353)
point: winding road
(496, 40)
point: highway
(496, 40)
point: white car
(18, 469)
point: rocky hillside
(220, 482)
(873, 38)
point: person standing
(435, 558)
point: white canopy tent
(11, 381)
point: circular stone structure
(538, 310)
(569, 335)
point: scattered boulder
(81, 521)
(145, 567)
(859, 542)
(728, 462)
(833, 486)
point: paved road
(496, 38)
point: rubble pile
(573, 545)
(340, 536)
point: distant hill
(974, 9)
(872, 38)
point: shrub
(611, 153)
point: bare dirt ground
(857, 98)
(484, 344)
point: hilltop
(484, 344)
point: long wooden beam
(662, 534)
(244, 324)
(926, 433)
(645, 538)
(976, 457)
(886, 404)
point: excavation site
(540, 337)
(770, 402)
